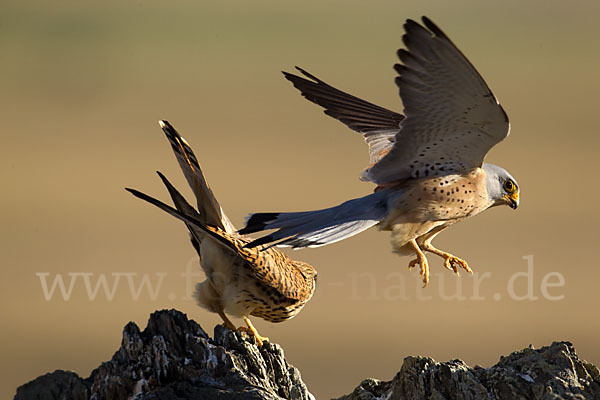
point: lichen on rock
(173, 358)
(549, 373)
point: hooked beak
(512, 200)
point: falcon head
(502, 188)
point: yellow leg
(228, 324)
(253, 331)
(450, 262)
(421, 260)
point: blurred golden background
(83, 85)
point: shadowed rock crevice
(551, 373)
(173, 358)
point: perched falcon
(427, 164)
(240, 281)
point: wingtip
(308, 74)
(410, 22)
(246, 229)
(134, 192)
(257, 222)
(295, 78)
(400, 53)
(243, 231)
(166, 126)
(161, 175)
(168, 184)
(429, 24)
(288, 75)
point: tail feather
(185, 208)
(180, 202)
(190, 220)
(209, 208)
(316, 238)
(320, 227)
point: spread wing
(209, 208)
(452, 117)
(377, 124)
(271, 267)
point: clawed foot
(226, 322)
(452, 263)
(422, 262)
(251, 330)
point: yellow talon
(422, 261)
(424, 269)
(454, 262)
(451, 266)
(413, 263)
(226, 322)
(450, 262)
(250, 329)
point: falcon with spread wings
(428, 163)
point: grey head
(502, 188)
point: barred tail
(209, 208)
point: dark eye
(509, 186)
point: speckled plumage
(427, 163)
(240, 281)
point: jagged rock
(173, 358)
(55, 385)
(550, 373)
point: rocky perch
(173, 358)
(551, 373)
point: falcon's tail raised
(209, 209)
(320, 227)
(186, 213)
